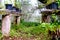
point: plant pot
(53, 5)
(8, 6)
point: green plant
(18, 4)
(28, 29)
(58, 1)
(7, 2)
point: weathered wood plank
(6, 11)
(50, 10)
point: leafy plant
(29, 29)
(7, 2)
(18, 4)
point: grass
(28, 29)
(38, 31)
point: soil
(17, 38)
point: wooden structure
(46, 14)
(6, 20)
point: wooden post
(6, 24)
(17, 20)
(48, 19)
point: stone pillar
(6, 24)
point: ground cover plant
(32, 30)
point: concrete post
(6, 24)
(48, 19)
(17, 20)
